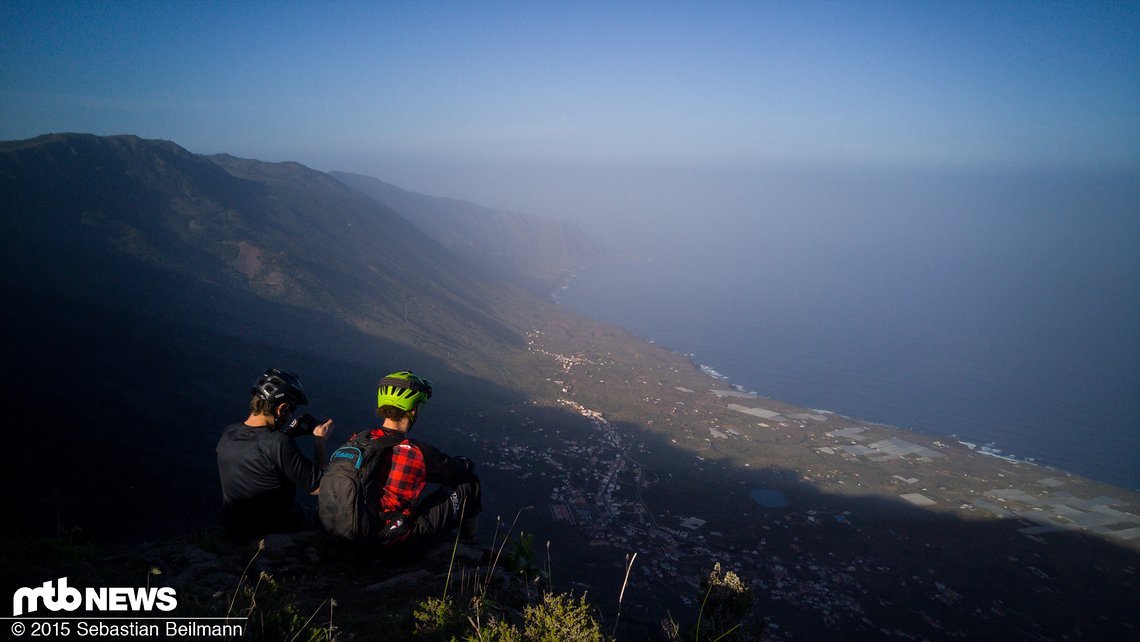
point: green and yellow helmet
(404, 390)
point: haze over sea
(1000, 308)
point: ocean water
(1007, 317)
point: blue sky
(429, 93)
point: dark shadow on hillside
(924, 570)
(825, 566)
(115, 414)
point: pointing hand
(324, 430)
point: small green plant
(495, 631)
(555, 618)
(520, 559)
(561, 618)
(438, 619)
(725, 613)
(726, 608)
(487, 624)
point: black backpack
(349, 498)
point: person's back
(260, 466)
(257, 495)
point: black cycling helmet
(279, 386)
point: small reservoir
(770, 498)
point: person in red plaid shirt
(411, 514)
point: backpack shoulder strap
(387, 439)
(364, 448)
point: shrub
(726, 612)
(438, 619)
(561, 618)
(558, 618)
(726, 608)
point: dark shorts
(444, 508)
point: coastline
(806, 453)
(990, 446)
(989, 450)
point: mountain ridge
(200, 215)
(531, 251)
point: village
(598, 480)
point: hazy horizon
(1001, 309)
(528, 107)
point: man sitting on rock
(261, 467)
(411, 512)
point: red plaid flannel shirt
(406, 478)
